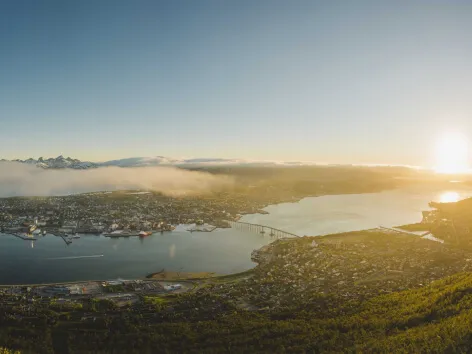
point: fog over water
(19, 179)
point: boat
(44, 232)
(76, 236)
(121, 233)
(145, 233)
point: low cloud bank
(17, 179)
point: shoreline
(207, 275)
(194, 276)
(176, 276)
(169, 275)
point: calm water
(44, 260)
(221, 251)
(341, 213)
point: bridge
(239, 225)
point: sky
(327, 81)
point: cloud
(17, 179)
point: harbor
(60, 259)
(222, 250)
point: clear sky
(328, 81)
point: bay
(50, 260)
(350, 212)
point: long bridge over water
(239, 225)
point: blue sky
(328, 81)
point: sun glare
(449, 197)
(452, 154)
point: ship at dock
(121, 233)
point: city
(254, 189)
(203, 176)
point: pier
(64, 238)
(271, 231)
(19, 235)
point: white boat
(76, 236)
(121, 233)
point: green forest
(435, 318)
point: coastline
(168, 275)
(172, 275)
(175, 276)
(192, 277)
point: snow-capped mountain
(61, 162)
(58, 163)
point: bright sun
(452, 154)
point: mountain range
(57, 163)
(61, 162)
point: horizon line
(232, 161)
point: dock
(21, 236)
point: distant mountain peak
(61, 163)
(58, 163)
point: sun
(452, 154)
